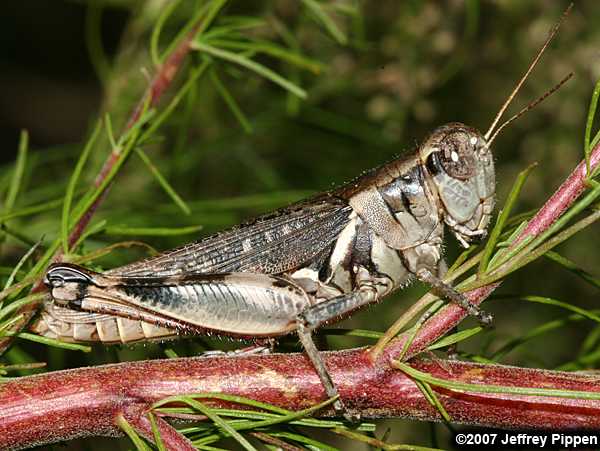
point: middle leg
(370, 290)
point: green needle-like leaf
(139, 443)
(317, 9)
(431, 397)
(17, 177)
(503, 217)
(75, 175)
(156, 433)
(249, 64)
(572, 266)
(224, 425)
(163, 182)
(230, 102)
(50, 341)
(455, 338)
(490, 388)
(152, 231)
(587, 148)
(156, 31)
(20, 264)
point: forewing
(272, 244)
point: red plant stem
(563, 198)
(84, 402)
(452, 315)
(162, 80)
(160, 83)
(435, 328)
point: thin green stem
(249, 64)
(17, 177)
(503, 217)
(464, 387)
(72, 184)
(587, 147)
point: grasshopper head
(67, 283)
(461, 166)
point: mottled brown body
(355, 244)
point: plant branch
(161, 81)
(85, 402)
(57, 406)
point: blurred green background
(399, 69)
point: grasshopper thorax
(461, 167)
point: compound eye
(457, 156)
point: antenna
(527, 108)
(524, 77)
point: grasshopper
(305, 265)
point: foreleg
(448, 292)
(426, 263)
